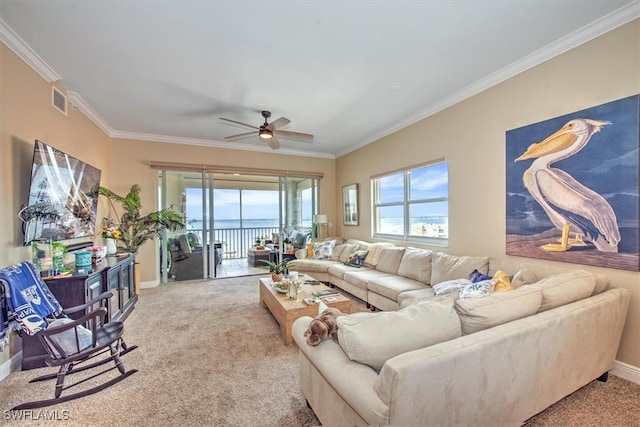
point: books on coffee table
(325, 293)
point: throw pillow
(450, 286)
(502, 282)
(476, 276)
(356, 259)
(310, 250)
(448, 267)
(373, 338)
(323, 250)
(476, 290)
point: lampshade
(320, 219)
(265, 134)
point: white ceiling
(348, 72)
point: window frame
(405, 205)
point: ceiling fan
(269, 131)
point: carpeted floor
(210, 355)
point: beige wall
(26, 114)
(471, 135)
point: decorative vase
(276, 277)
(111, 246)
(293, 290)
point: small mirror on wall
(350, 204)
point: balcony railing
(237, 241)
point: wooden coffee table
(286, 311)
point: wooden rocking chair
(72, 342)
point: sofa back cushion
(565, 288)
(373, 338)
(375, 251)
(390, 258)
(416, 265)
(488, 311)
(342, 252)
(449, 267)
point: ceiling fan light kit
(265, 134)
(268, 131)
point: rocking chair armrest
(95, 314)
(102, 296)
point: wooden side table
(255, 255)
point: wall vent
(59, 100)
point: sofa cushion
(360, 277)
(375, 250)
(343, 254)
(390, 258)
(337, 252)
(391, 287)
(477, 314)
(373, 338)
(311, 265)
(448, 267)
(416, 265)
(523, 277)
(565, 288)
(410, 297)
(338, 269)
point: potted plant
(134, 228)
(277, 269)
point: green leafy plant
(135, 228)
(276, 267)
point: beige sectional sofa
(438, 360)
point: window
(413, 205)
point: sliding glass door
(226, 214)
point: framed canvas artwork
(572, 187)
(350, 204)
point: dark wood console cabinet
(112, 273)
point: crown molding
(215, 144)
(28, 55)
(79, 104)
(595, 29)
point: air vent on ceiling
(59, 100)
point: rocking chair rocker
(69, 342)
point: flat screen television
(63, 197)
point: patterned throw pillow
(478, 289)
(356, 259)
(323, 250)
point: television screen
(63, 197)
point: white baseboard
(11, 365)
(625, 371)
(149, 284)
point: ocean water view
(387, 223)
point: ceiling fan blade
(239, 123)
(282, 121)
(305, 137)
(240, 136)
(273, 142)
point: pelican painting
(572, 187)
(571, 206)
